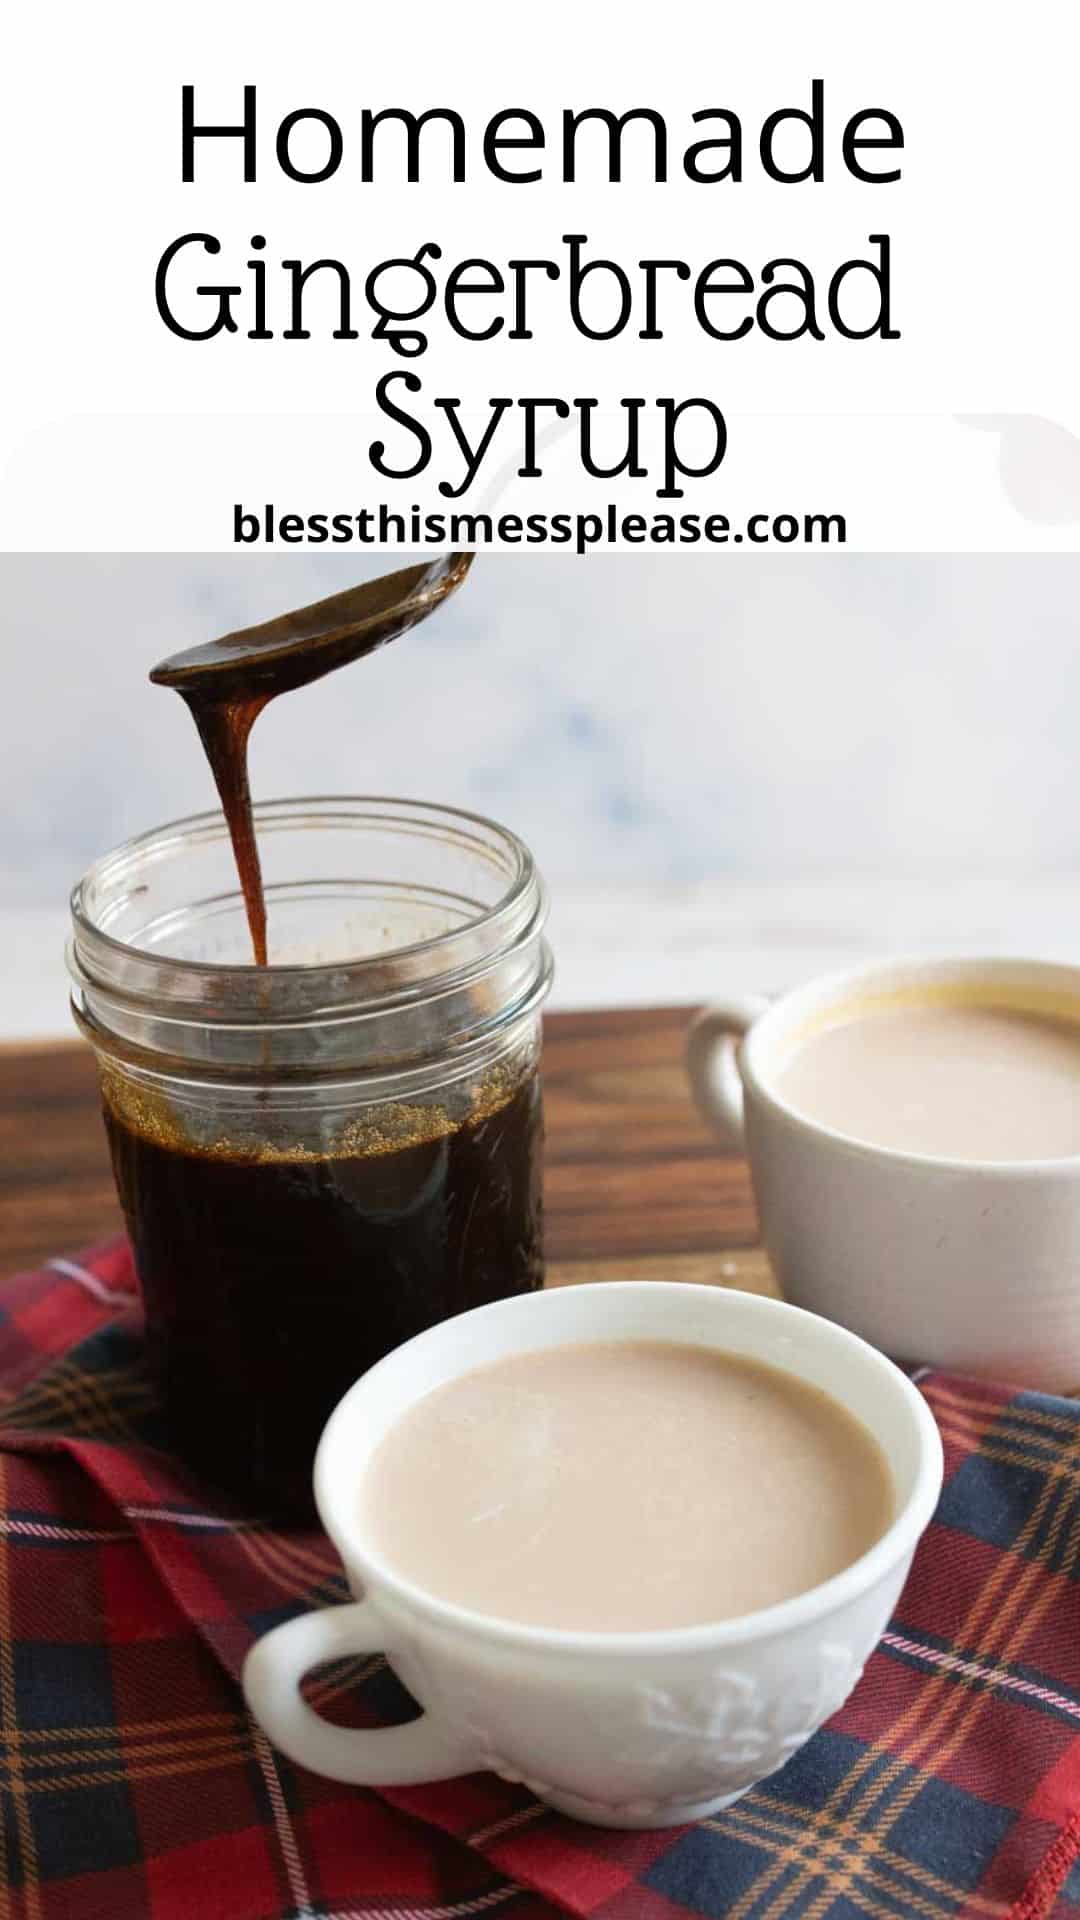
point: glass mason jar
(319, 1158)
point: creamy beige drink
(623, 1486)
(963, 1082)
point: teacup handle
(710, 1061)
(383, 1757)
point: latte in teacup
(622, 1486)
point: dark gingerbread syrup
(271, 1284)
(272, 1275)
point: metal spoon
(287, 652)
(227, 683)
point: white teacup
(966, 1264)
(619, 1729)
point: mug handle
(710, 1062)
(383, 1757)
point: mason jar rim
(456, 993)
(211, 822)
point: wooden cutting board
(635, 1186)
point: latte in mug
(913, 1133)
(961, 1081)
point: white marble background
(732, 771)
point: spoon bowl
(255, 663)
(227, 683)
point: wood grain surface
(635, 1186)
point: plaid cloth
(136, 1784)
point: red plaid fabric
(134, 1782)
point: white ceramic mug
(966, 1264)
(620, 1729)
